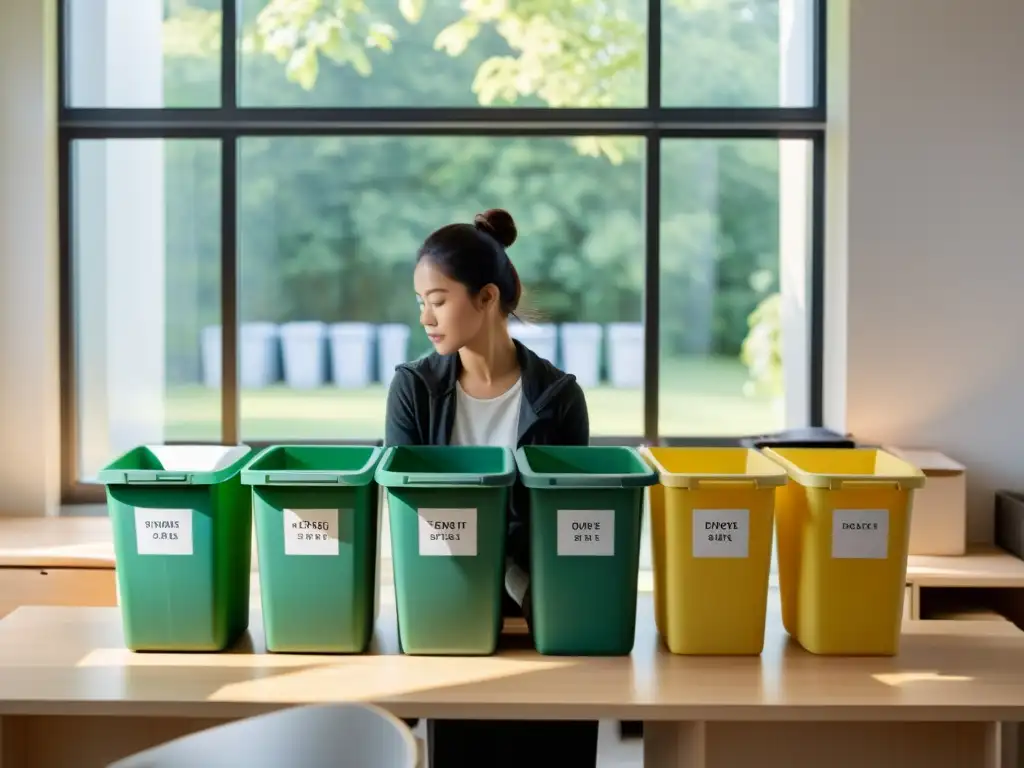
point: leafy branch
(298, 32)
(563, 53)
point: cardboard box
(938, 523)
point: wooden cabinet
(56, 586)
(56, 561)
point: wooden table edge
(845, 713)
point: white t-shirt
(493, 422)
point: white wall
(29, 374)
(120, 237)
(933, 137)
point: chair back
(336, 735)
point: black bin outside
(807, 437)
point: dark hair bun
(498, 223)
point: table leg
(804, 744)
(1009, 735)
(6, 758)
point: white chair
(335, 736)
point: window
(738, 53)
(142, 53)
(145, 234)
(733, 263)
(239, 218)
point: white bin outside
(392, 350)
(626, 355)
(209, 347)
(581, 352)
(257, 351)
(304, 353)
(351, 354)
(542, 338)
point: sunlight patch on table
(896, 679)
(373, 681)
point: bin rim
(391, 479)
(644, 477)
(237, 456)
(910, 479)
(769, 474)
(285, 478)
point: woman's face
(450, 316)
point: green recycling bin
(182, 524)
(448, 511)
(317, 512)
(586, 507)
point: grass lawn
(699, 396)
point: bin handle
(442, 480)
(588, 481)
(295, 478)
(724, 485)
(148, 478)
(838, 484)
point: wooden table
(982, 566)
(70, 694)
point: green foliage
(298, 32)
(546, 39)
(762, 348)
(192, 32)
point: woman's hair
(474, 255)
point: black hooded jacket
(421, 411)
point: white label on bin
(163, 531)
(447, 532)
(586, 532)
(311, 531)
(860, 534)
(721, 533)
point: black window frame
(229, 122)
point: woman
(481, 387)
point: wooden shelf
(982, 566)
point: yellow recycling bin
(843, 527)
(711, 538)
